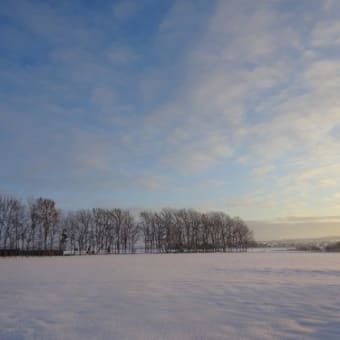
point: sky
(229, 105)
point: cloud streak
(161, 98)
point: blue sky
(215, 105)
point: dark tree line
(189, 230)
(39, 225)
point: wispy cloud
(263, 170)
(162, 96)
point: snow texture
(254, 295)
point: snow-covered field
(269, 295)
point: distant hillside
(329, 243)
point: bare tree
(11, 222)
(44, 216)
(38, 225)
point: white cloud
(152, 182)
(245, 84)
(263, 170)
(325, 34)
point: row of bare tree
(39, 225)
(189, 230)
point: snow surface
(276, 295)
